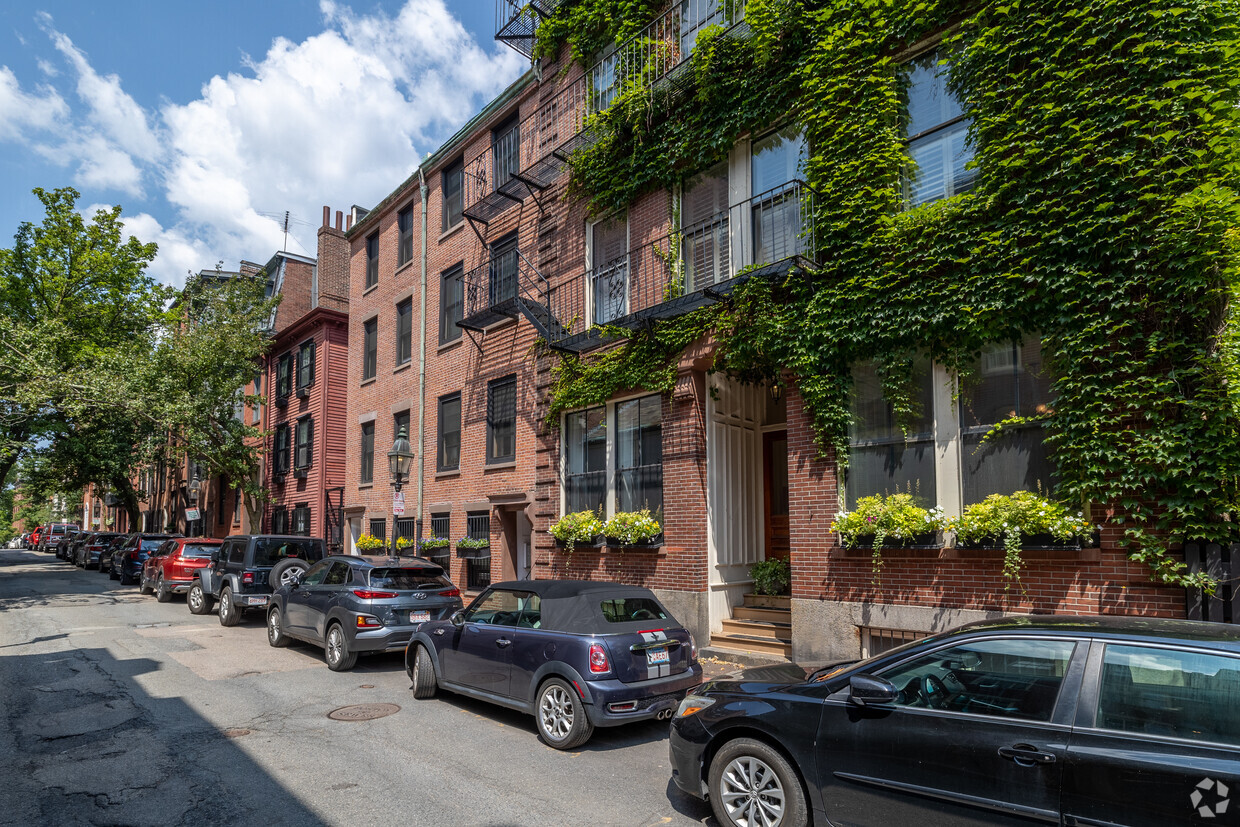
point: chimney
(348, 222)
(327, 215)
(339, 219)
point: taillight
(451, 593)
(247, 577)
(598, 659)
(692, 647)
(368, 622)
(133, 555)
(366, 594)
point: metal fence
(1221, 562)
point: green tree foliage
(1104, 219)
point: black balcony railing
(506, 286)
(766, 235)
(516, 22)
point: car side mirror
(458, 618)
(215, 557)
(869, 690)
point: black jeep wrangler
(246, 568)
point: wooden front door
(775, 493)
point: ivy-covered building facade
(749, 266)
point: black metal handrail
(507, 284)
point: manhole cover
(234, 732)
(363, 712)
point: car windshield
(628, 609)
(270, 552)
(198, 549)
(427, 577)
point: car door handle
(502, 642)
(1026, 755)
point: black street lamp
(195, 485)
(400, 459)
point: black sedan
(349, 605)
(574, 654)
(1073, 720)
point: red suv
(170, 569)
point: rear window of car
(409, 579)
(629, 609)
(152, 543)
(270, 552)
(199, 549)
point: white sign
(398, 503)
(192, 514)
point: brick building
(484, 250)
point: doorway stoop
(761, 627)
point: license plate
(659, 655)
(419, 617)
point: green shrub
(772, 576)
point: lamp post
(400, 459)
(194, 485)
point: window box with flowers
(581, 529)
(367, 543)
(473, 548)
(633, 530)
(894, 522)
(1017, 523)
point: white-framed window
(937, 134)
(604, 81)
(939, 454)
(608, 267)
(612, 458)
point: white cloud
(22, 114)
(178, 254)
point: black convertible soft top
(577, 605)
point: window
(237, 504)
(875, 641)
(448, 457)
(281, 449)
(1155, 691)
(937, 134)
(1002, 678)
(404, 332)
(305, 366)
(507, 608)
(609, 269)
(378, 528)
(704, 225)
(609, 469)
(639, 454)
(301, 519)
(503, 269)
(453, 194)
(777, 162)
(400, 422)
(368, 453)
(258, 405)
(404, 224)
(284, 376)
(441, 525)
(305, 448)
(337, 575)
(405, 528)
(478, 566)
(372, 260)
(506, 149)
(585, 461)
(451, 304)
(370, 349)
(604, 82)
(279, 520)
(939, 456)
(630, 609)
(502, 420)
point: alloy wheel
(335, 645)
(556, 711)
(751, 793)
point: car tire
(746, 776)
(199, 602)
(336, 650)
(229, 615)
(125, 579)
(561, 716)
(422, 674)
(144, 585)
(275, 628)
(284, 572)
(163, 594)
(112, 575)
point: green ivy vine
(1104, 218)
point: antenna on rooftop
(286, 220)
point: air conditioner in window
(303, 392)
(300, 473)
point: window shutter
(310, 356)
(309, 443)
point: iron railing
(516, 22)
(767, 234)
(505, 286)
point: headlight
(693, 704)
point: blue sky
(206, 121)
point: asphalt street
(122, 710)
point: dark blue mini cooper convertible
(576, 654)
